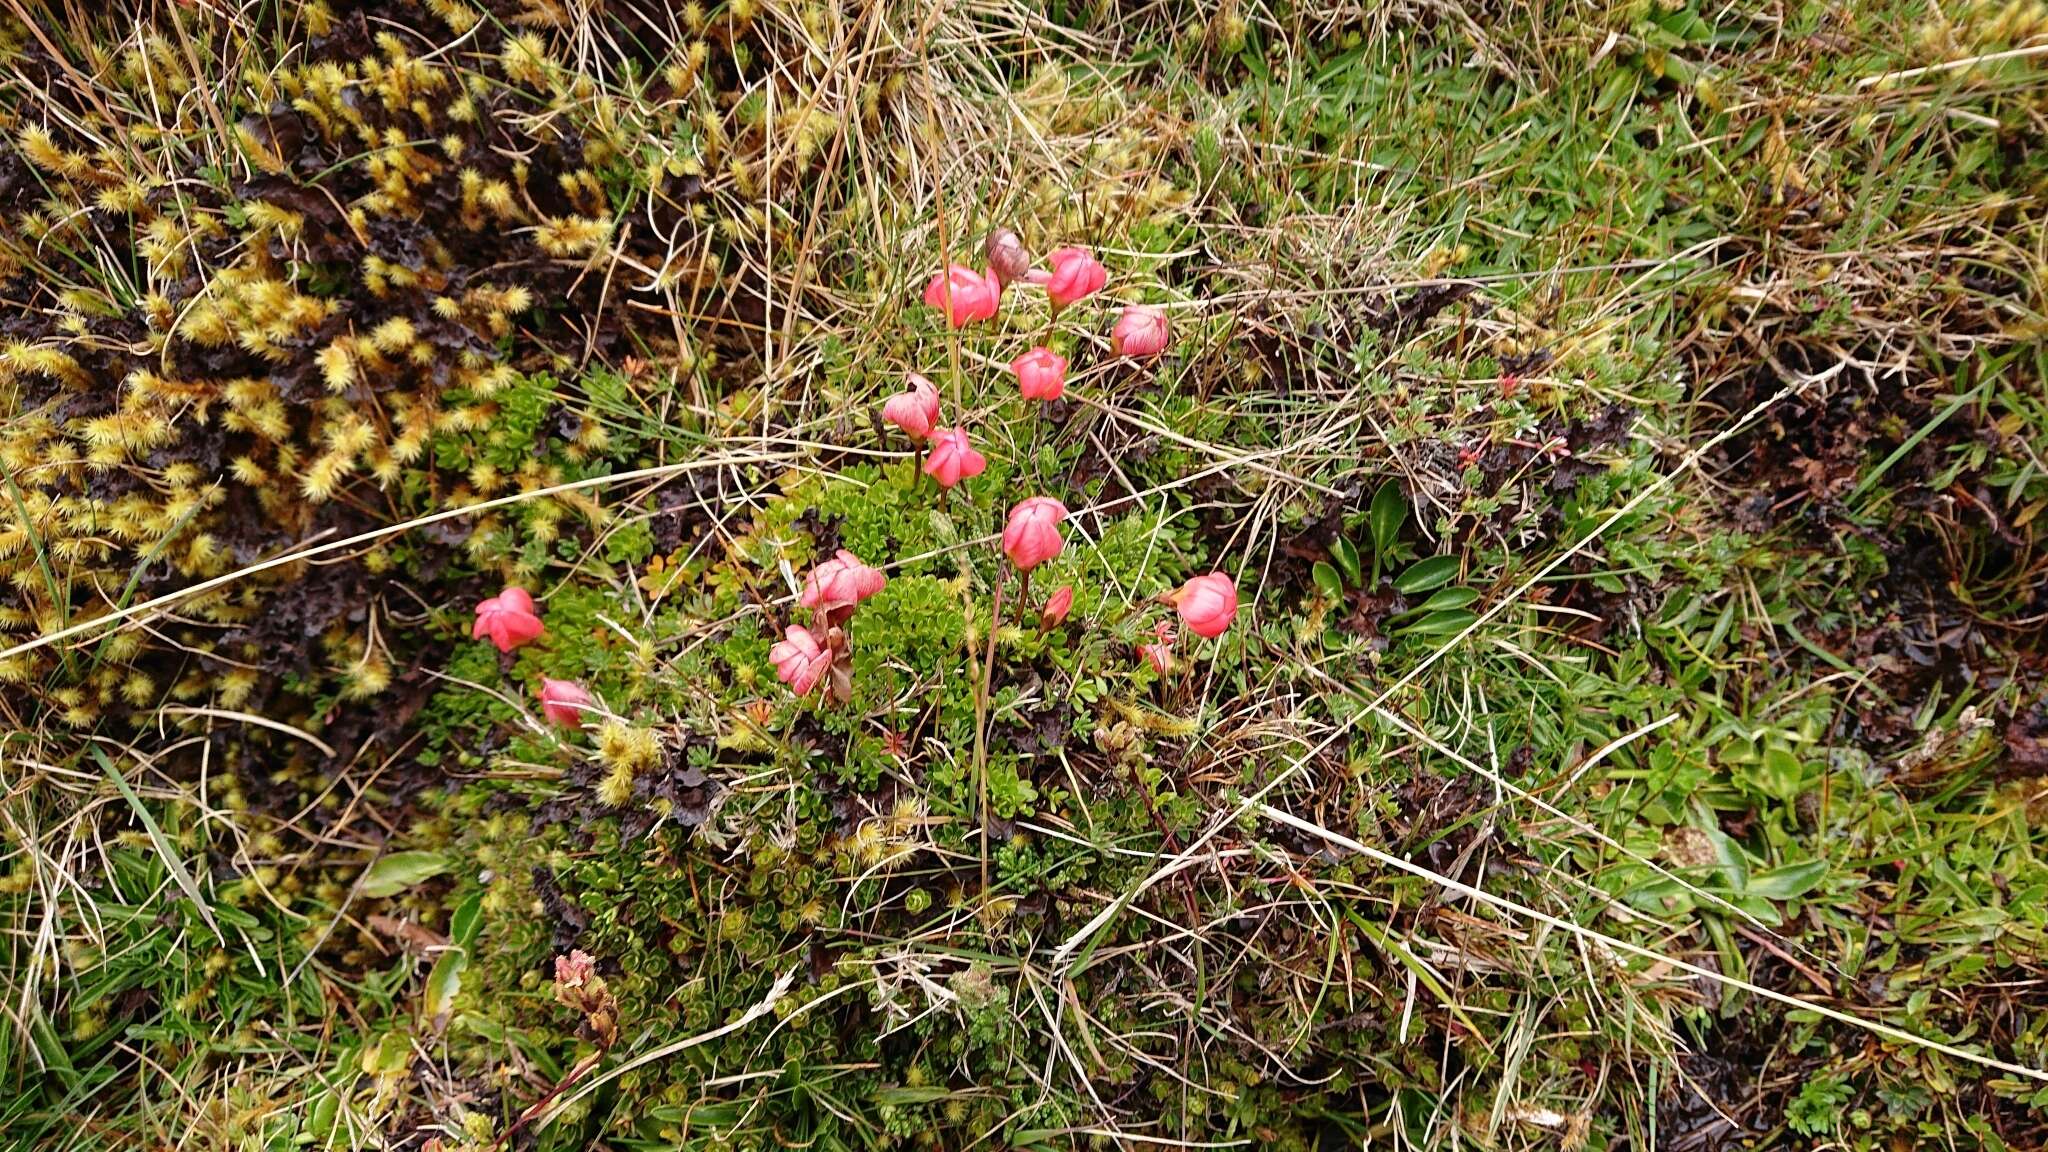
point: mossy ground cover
(1622, 424)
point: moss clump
(310, 310)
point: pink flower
(973, 295)
(563, 702)
(840, 583)
(1207, 604)
(1159, 653)
(953, 458)
(915, 410)
(800, 661)
(1056, 608)
(1075, 276)
(1033, 534)
(575, 970)
(1041, 374)
(1008, 260)
(508, 619)
(1139, 332)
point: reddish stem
(988, 673)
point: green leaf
(320, 1120)
(1788, 882)
(401, 870)
(1346, 556)
(1440, 623)
(462, 925)
(388, 1055)
(1656, 894)
(1780, 775)
(1445, 599)
(1423, 575)
(1389, 509)
(909, 1094)
(1327, 581)
(444, 980)
(1733, 867)
(490, 1030)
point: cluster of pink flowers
(807, 657)
(1206, 604)
(510, 620)
(819, 656)
(966, 296)
(949, 454)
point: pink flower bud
(563, 702)
(840, 583)
(508, 619)
(1076, 275)
(953, 458)
(1008, 260)
(1041, 374)
(964, 295)
(1207, 604)
(575, 970)
(1159, 653)
(1140, 332)
(1033, 534)
(1056, 608)
(915, 409)
(800, 661)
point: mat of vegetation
(1434, 575)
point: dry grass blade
(764, 1007)
(165, 850)
(1578, 823)
(1619, 945)
(1065, 955)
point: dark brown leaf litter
(1408, 315)
(1437, 818)
(2026, 740)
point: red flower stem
(946, 272)
(1037, 426)
(582, 1069)
(988, 674)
